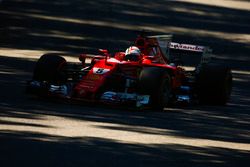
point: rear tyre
(214, 84)
(50, 68)
(155, 82)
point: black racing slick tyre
(50, 68)
(214, 84)
(155, 82)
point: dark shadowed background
(36, 132)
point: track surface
(35, 132)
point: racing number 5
(100, 71)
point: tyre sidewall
(155, 82)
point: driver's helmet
(133, 53)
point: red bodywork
(106, 64)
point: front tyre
(155, 82)
(50, 68)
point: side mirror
(82, 59)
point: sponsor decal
(189, 47)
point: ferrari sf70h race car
(148, 74)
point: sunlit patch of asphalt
(67, 127)
(234, 4)
(34, 55)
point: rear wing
(162, 45)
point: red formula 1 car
(147, 74)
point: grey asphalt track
(38, 132)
